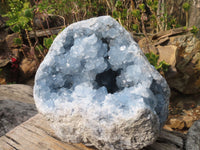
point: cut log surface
(36, 134)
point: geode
(97, 88)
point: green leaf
(28, 13)
(186, 6)
(18, 41)
(194, 30)
(149, 2)
(118, 4)
(136, 13)
(153, 59)
(39, 47)
(48, 41)
(142, 7)
(15, 28)
(135, 27)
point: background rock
(13, 113)
(168, 54)
(182, 53)
(186, 79)
(27, 68)
(16, 106)
(17, 92)
(10, 40)
(193, 137)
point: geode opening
(108, 79)
(97, 87)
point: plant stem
(20, 36)
(28, 38)
(187, 19)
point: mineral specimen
(97, 87)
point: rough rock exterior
(97, 87)
(193, 137)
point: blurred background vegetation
(37, 22)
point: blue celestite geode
(97, 87)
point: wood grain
(35, 134)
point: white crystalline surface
(97, 87)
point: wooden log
(164, 34)
(36, 134)
(161, 41)
(46, 32)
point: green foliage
(18, 41)
(28, 13)
(39, 48)
(152, 4)
(48, 41)
(15, 28)
(116, 14)
(142, 7)
(153, 59)
(136, 13)
(118, 4)
(186, 6)
(19, 15)
(185, 28)
(135, 27)
(172, 23)
(194, 30)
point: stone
(10, 40)
(13, 113)
(96, 87)
(2, 80)
(167, 127)
(168, 54)
(28, 68)
(15, 52)
(4, 62)
(186, 79)
(182, 53)
(193, 137)
(176, 123)
(16, 106)
(188, 121)
(17, 92)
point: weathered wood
(46, 32)
(35, 134)
(161, 41)
(168, 140)
(164, 34)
